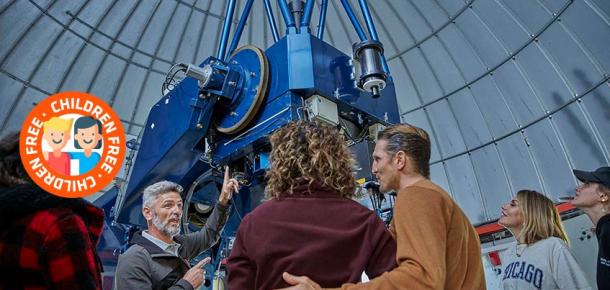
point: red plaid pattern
(52, 249)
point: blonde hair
(56, 123)
(309, 151)
(541, 219)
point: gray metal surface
(514, 93)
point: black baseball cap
(600, 175)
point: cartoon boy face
(88, 138)
(56, 139)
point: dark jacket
(48, 242)
(603, 255)
(146, 266)
(330, 239)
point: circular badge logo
(72, 144)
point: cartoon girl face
(88, 138)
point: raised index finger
(203, 262)
(226, 174)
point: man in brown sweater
(437, 247)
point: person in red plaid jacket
(46, 242)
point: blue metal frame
(226, 29)
(307, 14)
(368, 20)
(178, 126)
(322, 20)
(372, 31)
(352, 17)
(240, 27)
(271, 20)
(288, 19)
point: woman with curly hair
(540, 259)
(310, 225)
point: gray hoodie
(544, 265)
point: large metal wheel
(252, 88)
(199, 201)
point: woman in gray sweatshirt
(540, 259)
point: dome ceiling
(513, 93)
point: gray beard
(164, 228)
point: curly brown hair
(313, 152)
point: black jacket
(602, 231)
(146, 266)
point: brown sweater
(438, 248)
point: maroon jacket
(324, 236)
(48, 242)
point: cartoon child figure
(56, 131)
(87, 136)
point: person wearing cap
(593, 197)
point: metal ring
(261, 92)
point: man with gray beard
(159, 257)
